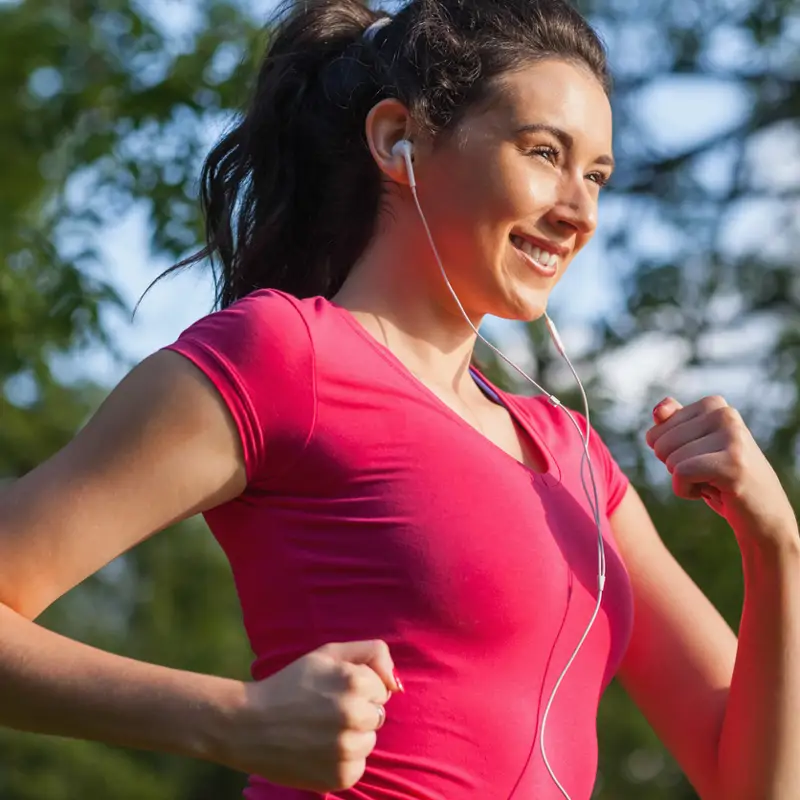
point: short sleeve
(258, 354)
(614, 479)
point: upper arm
(162, 447)
(231, 403)
(679, 662)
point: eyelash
(552, 154)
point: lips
(543, 261)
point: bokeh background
(692, 287)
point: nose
(575, 207)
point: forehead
(554, 92)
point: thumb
(665, 409)
(372, 653)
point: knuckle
(713, 402)
(317, 662)
(350, 676)
(736, 485)
(343, 747)
(348, 774)
(663, 447)
(367, 744)
(736, 452)
(326, 650)
(729, 416)
(381, 648)
(734, 427)
(346, 713)
(671, 464)
(351, 746)
(680, 471)
(347, 678)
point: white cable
(592, 498)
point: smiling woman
(386, 510)
(456, 78)
(511, 193)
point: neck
(404, 303)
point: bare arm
(680, 659)
(758, 749)
(729, 714)
(161, 448)
(729, 710)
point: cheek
(524, 192)
(487, 191)
(474, 202)
(481, 193)
(466, 211)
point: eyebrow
(565, 138)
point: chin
(526, 306)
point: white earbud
(405, 149)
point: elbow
(29, 602)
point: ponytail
(290, 193)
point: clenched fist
(313, 724)
(710, 453)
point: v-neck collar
(493, 392)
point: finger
(363, 681)
(373, 653)
(691, 467)
(355, 746)
(381, 715)
(698, 429)
(685, 488)
(700, 471)
(683, 414)
(692, 489)
(665, 409)
(363, 716)
(711, 444)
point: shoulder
(259, 355)
(262, 313)
(261, 335)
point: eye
(547, 152)
(600, 178)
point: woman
(388, 514)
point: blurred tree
(709, 248)
(108, 106)
(105, 108)
(701, 227)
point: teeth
(543, 257)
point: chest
(409, 512)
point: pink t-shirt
(374, 511)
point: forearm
(53, 685)
(760, 739)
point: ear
(387, 123)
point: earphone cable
(592, 497)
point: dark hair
(291, 194)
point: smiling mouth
(543, 261)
